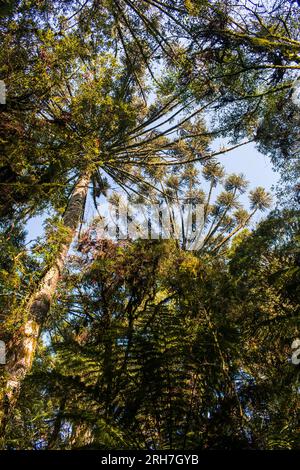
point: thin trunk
(21, 349)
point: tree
(151, 347)
(265, 272)
(84, 117)
(77, 115)
(59, 144)
(247, 56)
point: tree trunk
(21, 348)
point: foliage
(151, 347)
(148, 346)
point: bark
(21, 349)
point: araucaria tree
(143, 344)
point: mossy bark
(22, 346)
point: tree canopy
(143, 344)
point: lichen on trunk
(22, 346)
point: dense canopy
(125, 343)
